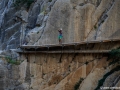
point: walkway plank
(67, 51)
(69, 44)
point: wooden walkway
(71, 47)
(67, 51)
(68, 44)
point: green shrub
(18, 3)
(95, 27)
(32, 75)
(50, 0)
(76, 87)
(12, 61)
(31, 87)
(37, 32)
(114, 55)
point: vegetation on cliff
(12, 61)
(114, 55)
(18, 3)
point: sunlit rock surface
(81, 20)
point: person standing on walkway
(60, 36)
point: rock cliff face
(81, 20)
(59, 72)
(9, 76)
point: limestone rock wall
(38, 25)
(63, 71)
(81, 20)
(57, 72)
(9, 76)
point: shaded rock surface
(9, 76)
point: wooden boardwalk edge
(69, 44)
(67, 51)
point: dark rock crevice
(103, 17)
(28, 75)
(98, 3)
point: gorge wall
(38, 25)
(81, 20)
(59, 72)
(49, 72)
